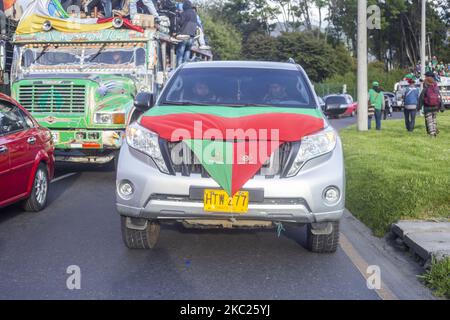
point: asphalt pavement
(80, 227)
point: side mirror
(144, 101)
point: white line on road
(384, 292)
(63, 177)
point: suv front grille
(275, 166)
(54, 98)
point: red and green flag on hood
(231, 143)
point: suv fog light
(126, 189)
(331, 195)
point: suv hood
(227, 140)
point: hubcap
(40, 185)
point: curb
(425, 239)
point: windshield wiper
(98, 52)
(43, 51)
(244, 105)
(186, 103)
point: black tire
(39, 191)
(323, 243)
(140, 239)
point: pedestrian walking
(431, 101)
(376, 105)
(411, 99)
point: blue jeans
(148, 3)
(410, 119)
(377, 120)
(184, 51)
(107, 7)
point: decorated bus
(79, 77)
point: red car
(27, 158)
(340, 105)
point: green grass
(438, 278)
(394, 174)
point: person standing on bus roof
(187, 30)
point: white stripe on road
(63, 177)
(384, 292)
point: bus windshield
(69, 57)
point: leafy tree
(224, 39)
(260, 47)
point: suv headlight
(109, 118)
(147, 142)
(313, 146)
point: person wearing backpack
(431, 101)
(411, 99)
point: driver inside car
(275, 93)
(202, 93)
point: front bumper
(298, 199)
(92, 139)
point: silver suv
(169, 172)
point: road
(81, 227)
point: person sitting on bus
(148, 4)
(201, 39)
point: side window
(28, 122)
(11, 119)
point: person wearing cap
(431, 101)
(411, 99)
(376, 101)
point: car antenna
(291, 60)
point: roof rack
(291, 60)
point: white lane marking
(384, 293)
(63, 177)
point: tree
(224, 39)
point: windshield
(69, 57)
(336, 100)
(238, 87)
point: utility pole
(362, 66)
(423, 41)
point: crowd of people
(185, 23)
(438, 68)
(428, 99)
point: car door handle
(3, 149)
(31, 140)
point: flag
(232, 160)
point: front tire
(323, 243)
(38, 197)
(144, 235)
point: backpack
(432, 96)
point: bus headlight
(109, 118)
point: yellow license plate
(220, 201)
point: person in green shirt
(376, 100)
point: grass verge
(394, 174)
(438, 278)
